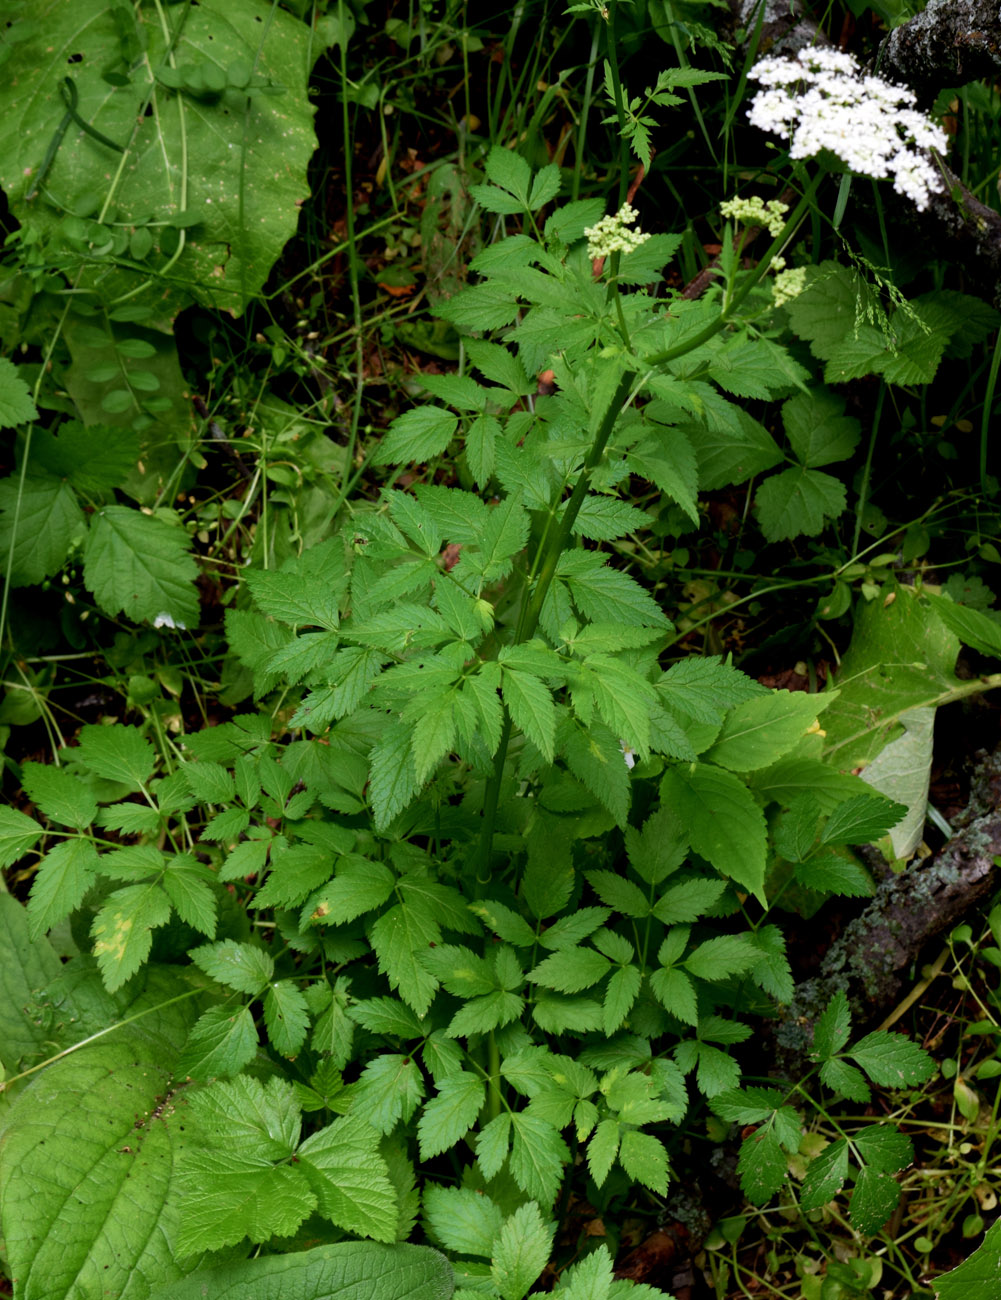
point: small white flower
(165, 620)
(821, 102)
(611, 234)
(628, 755)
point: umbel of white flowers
(612, 234)
(821, 101)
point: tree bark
(873, 958)
(950, 43)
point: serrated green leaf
(884, 1147)
(732, 452)
(530, 704)
(828, 309)
(687, 901)
(221, 1043)
(16, 406)
(64, 876)
(833, 874)
(352, 1270)
(726, 955)
(644, 1159)
(462, 1219)
(296, 599)
(123, 931)
(504, 922)
(619, 894)
(978, 1276)
(874, 1199)
(622, 992)
(285, 1017)
(760, 731)
(95, 458)
(833, 1027)
(390, 1090)
(602, 1150)
(761, 1166)
(400, 937)
(725, 824)
(675, 992)
(104, 1097)
(506, 168)
(818, 430)
(187, 884)
(350, 1178)
(481, 442)
(140, 565)
(521, 1252)
(48, 520)
(393, 781)
(492, 1144)
(239, 966)
(18, 835)
(571, 970)
(826, 1176)
(360, 886)
(538, 1157)
(449, 1116)
(891, 1060)
(417, 435)
(595, 757)
(116, 753)
(797, 503)
(973, 627)
(572, 929)
(845, 1080)
(861, 820)
(61, 797)
(606, 595)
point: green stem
(985, 419)
(85, 1042)
(494, 1099)
(556, 542)
(863, 495)
(620, 107)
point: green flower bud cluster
(755, 212)
(612, 234)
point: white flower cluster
(612, 234)
(756, 212)
(821, 101)
(788, 285)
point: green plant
(475, 910)
(484, 721)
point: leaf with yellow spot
(123, 931)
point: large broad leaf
(109, 358)
(724, 823)
(39, 521)
(232, 154)
(86, 1162)
(354, 1270)
(139, 565)
(901, 657)
(25, 967)
(902, 771)
(977, 1278)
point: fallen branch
(874, 957)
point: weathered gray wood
(874, 958)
